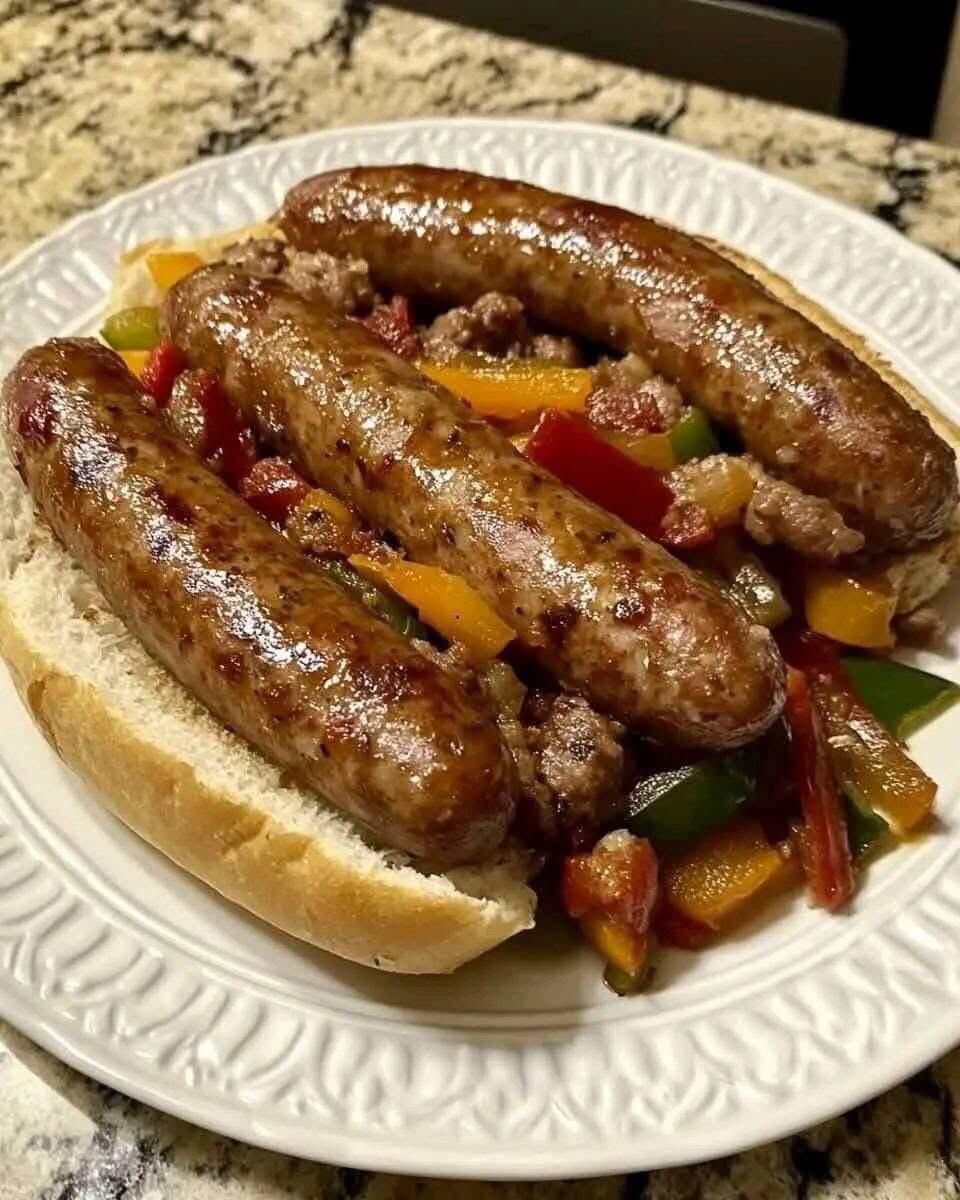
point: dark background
(867, 60)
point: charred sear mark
(173, 506)
(35, 423)
(558, 622)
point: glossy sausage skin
(608, 612)
(800, 401)
(245, 622)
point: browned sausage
(609, 612)
(801, 402)
(245, 622)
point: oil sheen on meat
(610, 613)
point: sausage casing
(245, 621)
(801, 402)
(610, 613)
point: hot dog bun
(212, 804)
(203, 797)
(132, 283)
(914, 576)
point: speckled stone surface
(97, 96)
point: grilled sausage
(801, 402)
(610, 613)
(245, 622)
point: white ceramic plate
(521, 1065)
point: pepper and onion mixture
(654, 848)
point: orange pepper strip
(616, 943)
(721, 874)
(136, 360)
(444, 601)
(850, 609)
(168, 267)
(515, 389)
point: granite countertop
(97, 96)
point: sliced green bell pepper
(865, 828)
(747, 579)
(902, 698)
(674, 806)
(132, 329)
(692, 436)
(622, 982)
(396, 612)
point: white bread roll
(208, 800)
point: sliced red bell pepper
(870, 765)
(564, 444)
(393, 323)
(226, 435)
(160, 370)
(824, 846)
(617, 877)
(612, 891)
(675, 928)
(274, 489)
(223, 441)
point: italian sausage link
(608, 612)
(245, 622)
(802, 403)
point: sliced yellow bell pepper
(168, 267)
(513, 389)
(616, 944)
(722, 874)
(444, 601)
(721, 487)
(649, 449)
(855, 610)
(136, 360)
(319, 498)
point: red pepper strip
(824, 847)
(564, 444)
(675, 928)
(274, 489)
(238, 455)
(809, 652)
(689, 528)
(868, 762)
(393, 323)
(618, 877)
(224, 440)
(160, 370)
(225, 435)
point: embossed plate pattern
(521, 1065)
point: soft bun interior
(207, 799)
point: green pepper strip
(692, 436)
(397, 614)
(745, 576)
(623, 983)
(674, 806)
(902, 698)
(865, 828)
(132, 329)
